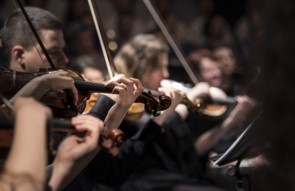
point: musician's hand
(75, 152)
(128, 90)
(176, 97)
(241, 112)
(74, 146)
(58, 81)
(199, 90)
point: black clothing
(171, 160)
(158, 161)
(113, 171)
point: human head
(226, 59)
(19, 43)
(80, 39)
(87, 66)
(206, 67)
(144, 57)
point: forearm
(115, 116)
(28, 155)
(101, 107)
(64, 172)
(35, 88)
(210, 138)
(112, 113)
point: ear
(17, 56)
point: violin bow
(171, 41)
(164, 101)
(101, 36)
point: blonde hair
(139, 55)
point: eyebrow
(54, 48)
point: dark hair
(85, 61)
(16, 31)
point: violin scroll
(152, 105)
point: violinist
(208, 67)
(18, 41)
(24, 168)
(171, 162)
(113, 170)
(231, 70)
(20, 54)
(87, 66)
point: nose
(165, 73)
(216, 72)
(66, 59)
(62, 61)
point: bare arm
(27, 158)
(209, 139)
(55, 81)
(128, 90)
(75, 152)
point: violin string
(6, 102)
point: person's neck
(227, 80)
(16, 67)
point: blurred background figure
(91, 71)
(204, 9)
(206, 67)
(87, 66)
(217, 31)
(232, 72)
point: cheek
(156, 78)
(205, 76)
(33, 63)
(151, 81)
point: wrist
(42, 84)
(59, 173)
(182, 110)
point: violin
(61, 104)
(7, 124)
(6, 127)
(212, 106)
(136, 110)
(114, 138)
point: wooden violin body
(61, 104)
(212, 106)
